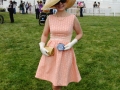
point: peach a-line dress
(61, 68)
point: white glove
(42, 49)
(69, 45)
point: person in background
(94, 4)
(21, 6)
(14, 7)
(26, 6)
(84, 6)
(30, 6)
(10, 9)
(81, 9)
(98, 5)
(78, 10)
(40, 6)
(44, 1)
(59, 69)
(37, 10)
(94, 7)
(54, 11)
(80, 6)
(51, 10)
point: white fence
(95, 11)
(107, 7)
(88, 11)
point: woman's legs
(56, 87)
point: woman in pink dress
(61, 68)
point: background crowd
(24, 7)
(81, 5)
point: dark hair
(11, 2)
(40, 1)
(14, 2)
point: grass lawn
(97, 53)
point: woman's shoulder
(72, 15)
(51, 16)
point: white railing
(94, 11)
(88, 11)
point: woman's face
(61, 6)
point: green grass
(97, 53)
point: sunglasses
(62, 1)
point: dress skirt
(61, 68)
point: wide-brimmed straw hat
(51, 3)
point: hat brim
(51, 3)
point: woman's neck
(61, 13)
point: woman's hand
(42, 49)
(69, 45)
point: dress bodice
(61, 27)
